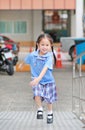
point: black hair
(41, 36)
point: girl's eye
(42, 44)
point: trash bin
(80, 48)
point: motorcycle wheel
(15, 60)
(10, 68)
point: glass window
(5, 27)
(56, 23)
(13, 27)
(20, 27)
(2, 27)
(8, 27)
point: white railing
(78, 88)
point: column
(79, 18)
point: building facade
(24, 20)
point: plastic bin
(80, 47)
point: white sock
(40, 109)
(50, 112)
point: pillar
(79, 18)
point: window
(13, 27)
(5, 27)
(56, 23)
(20, 27)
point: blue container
(80, 47)
(14, 47)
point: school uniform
(46, 88)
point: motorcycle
(6, 62)
(13, 50)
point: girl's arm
(27, 60)
(21, 65)
(37, 79)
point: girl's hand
(21, 66)
(34, 82)
(37, 79)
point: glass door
(56, 23)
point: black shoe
(39, 114)
(49, 118)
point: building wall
(73, 24)
(37, 22)
(34, 23)
(31, 11)
(37, 4)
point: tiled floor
(27, 120)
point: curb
(25, 68)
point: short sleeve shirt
(37, 63)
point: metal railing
(78, 87)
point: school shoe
(39, 114)
(49, 118)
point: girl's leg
(38, 101)
(50, 113)
(40, 109)
(49, 105)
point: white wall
(34, 23)
(79, 18)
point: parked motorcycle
(13, 50)
(6, 62)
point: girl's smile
(44, 46)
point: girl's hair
(44, 35)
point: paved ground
(18, 110)
(15, 93)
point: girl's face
(44, 46)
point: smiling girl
(43, 83)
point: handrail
(78, 88)
(75, 61)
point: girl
(43, 83)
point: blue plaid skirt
(47, 92)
